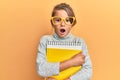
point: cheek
(56, 28)
(69, 28)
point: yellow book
(60, 51)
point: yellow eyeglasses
(58, 20)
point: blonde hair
(67, 8)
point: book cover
(60, 51)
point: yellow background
(23, 22)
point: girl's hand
(50, 78)
(78, 60)
(67, 79)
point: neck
(62, 38)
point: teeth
(62, 30)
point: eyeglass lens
(58, 20)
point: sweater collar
(69, 36)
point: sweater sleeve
(44, 68)
(86, 72)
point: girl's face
(61, 23)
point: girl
(62, 20)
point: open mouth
(62, 30)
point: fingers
(50, 78)
(83, 56)
(80, 55)
(67, 79)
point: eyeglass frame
(63, 19)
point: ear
(51, 23)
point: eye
(57, 19)
(67, 20)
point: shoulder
(45, 38)
(78, 39)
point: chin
(62, 36)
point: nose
(63, 23)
